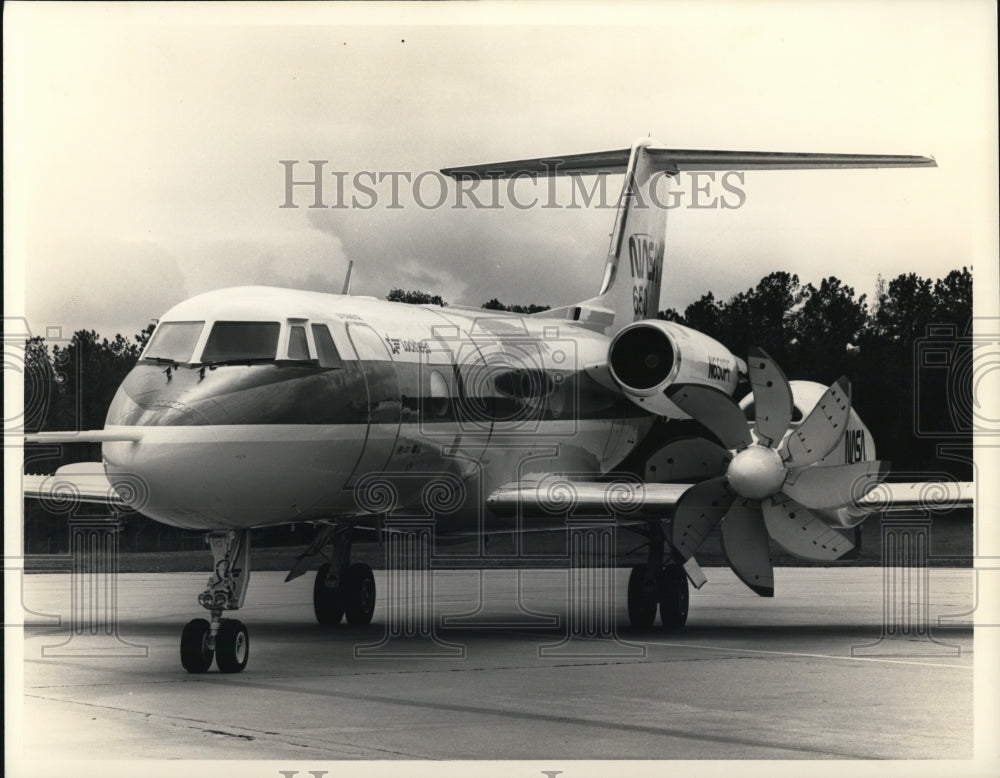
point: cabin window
(440, 396)
(241, 341)
(298, 345)
(326, 349)
(174, 341)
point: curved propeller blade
(698, 511)
(799, 531)
(822, 429)
(834, 487)
(714, 409)
(772, 396)
(687, 458)
(744, 544)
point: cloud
(471, 254)
(295, 259)
(102, 284)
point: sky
(143, 146)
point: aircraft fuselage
(417, 407)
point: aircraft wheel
(359, 594)
(641, 604)
(328, 601)
(196, 654)
(232, 646)
(673, 597)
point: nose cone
(234, 447)
(756, 472)
(152, 396)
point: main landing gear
(224, 640)
(656, 585)
(342, 589)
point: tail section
(634, 268)
(633, 272)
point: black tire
(673, 597)
(641, 604)
(328, 601)
(196, 654)
(232, 646)
(359, 594)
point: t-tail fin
(633, 272)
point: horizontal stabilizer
(680, 159)
(593, 162)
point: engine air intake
(641, 358)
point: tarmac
(511, 666)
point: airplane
(255, 406)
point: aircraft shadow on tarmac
(692, 633)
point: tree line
(912, 405)
(906, 352)
(417, 297)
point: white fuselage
(421, 408)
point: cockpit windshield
(242, 341)
(174, 341)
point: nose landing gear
(197, 646)
(224, 640)
(232, 646)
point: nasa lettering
(645, 260)
(854, 446)
(645, 256)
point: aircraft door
(382, 386)
(474, 401)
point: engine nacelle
(647, 357)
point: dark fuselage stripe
(366, 392)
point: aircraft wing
(927, 495)
(554, 494)
(132, 434)
(79, 482)
(616, 161)
(558, 495)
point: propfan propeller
(770, 485)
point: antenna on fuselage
(347, 278)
